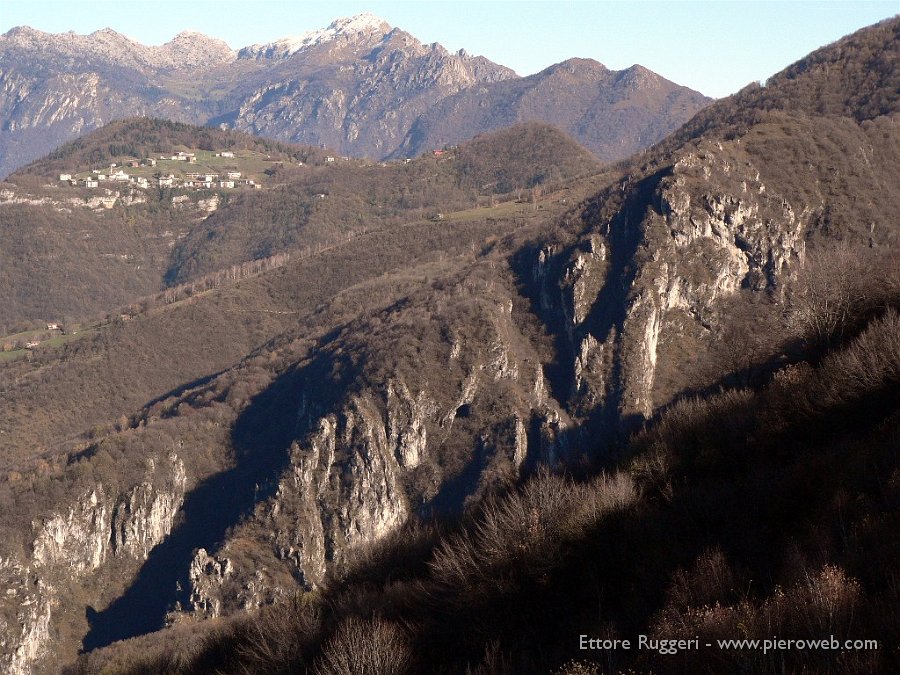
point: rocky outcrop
(207, 575)
(97, 526)
(25, 613)
(70, 545)
(720, 230)
(378, 454)
(144, 516)
(79, 539)
(94, 202)
(654, 269)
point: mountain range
(448, 415)
(359, 87)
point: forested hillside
(60, 245)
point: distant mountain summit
(365, 25)
(188, 49)
(613, 113)
(359, 86)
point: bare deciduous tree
(374, 647)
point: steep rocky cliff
(378, 436)
(86, 540)
(637, 290)
(470, 393)
(649, 274)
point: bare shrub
(273, 640)
(871, 361)
(398, 554)
(495, 661)
(604, 494)
(690, 430)
(374, 647)
(526, 531)
(821, 605)
(578, 668)
(837, 291)
(710, 581)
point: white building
(65, 176)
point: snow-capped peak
(366, 23)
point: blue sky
(715, 47)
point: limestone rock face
(25, 613)
(73, 544)
(424, 438)
(96, 203)
(145, 515)
(656, 267)
(79, 538)
(207, 574)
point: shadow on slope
(261, 437)
(608, 310)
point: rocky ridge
(365, 24)
(613, 113)
(358, 86)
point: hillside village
(167, 171)
(222, 169)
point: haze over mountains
(359, 87)
(451, 414)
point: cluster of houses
(114, 174)
(197, 180)
(98, 176)
(191, 158)
(31, 344)
(227, 180)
